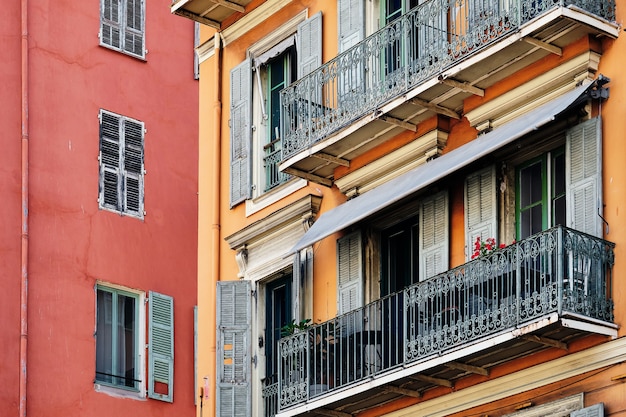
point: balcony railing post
(560, 254)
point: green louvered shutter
(134, 27)
(133, 167)
(161, 347)
(480, 208)
(110, 23)
(433, 235)
(233, 359)
(584, 177)
(240, 132)
(110, 188)
(596, 410)
(309, 44)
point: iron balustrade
(404, 54)
(560, 271)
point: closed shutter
(309, 44)
(349, 272)
(584, 177)
(233, 359)
(433, 235)
(480, 208)
(134, 27)
(240, 129)
(110, 188)
(161, 347)
(596, 410)
(110, 23)
(133, 167)
(351, 23)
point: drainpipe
(216, 144)
(24, 216)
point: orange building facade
(99, 214)
(410, 208)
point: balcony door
(278, 313)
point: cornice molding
(252, 19)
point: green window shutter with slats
(161, 347)
(584, 177)
(596, 410)
(349, 272)
(480, 208)
(433, 235)
(309, 43)
(233, 353)
(240, 133)
(351, 23)
(110, 23)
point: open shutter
(133, 167)
(309, 44)
(433, 235)
(351, 23)
(584, 179)
(349, 272)
(110, 184)
(161, 347)
(134, 27)
(596, 410)
(110, 23)
(240, 129)
(233, 349)
(480, 208)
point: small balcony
(542, 292)
(424, 63)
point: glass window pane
(126, 340)
(104, 333)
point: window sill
(266, 199)
(119, 392)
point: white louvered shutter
(309, 44)
(233, 359)
(110, 184)
(134, 27)
(596, 410)
(349, 272)
(351, 23)
(161, 347)
(584, 177)
(433, 235)
(240, 132)
(110, 23)
(480, 208)
(133, 167)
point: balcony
(208, 12)
(542, 292)
(425, 63)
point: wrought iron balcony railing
(559, 271)
(406, 53)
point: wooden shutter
(433, 235)
(584, 177)
(110, 23)
(161, 347)
(349, 272)
(240, 129)
(596, 410)
(351, 23)
(480, 208)
(134, 27)
(233, 359)
(309, 44)
(110, 184)
(133, 167)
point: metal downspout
(24, 211)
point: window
(122, 26)
(121, 164)
(120, 340)
(274, 62)
(278, 313)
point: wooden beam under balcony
(468, 368)
(400, 123)
(308, 176)
(332, 413)
(432, 380)
(545, 341)
(198, 18)
(230, 5)
(543, 45)
(464, 86)
(435, 108)
(331, 158)
(403, 391)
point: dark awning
(424, 175)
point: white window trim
(260, 198)
(141, 343)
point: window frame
(118, 168)
(123, 29)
